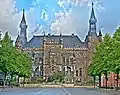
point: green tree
(114, 56)
(6, 61)
(13, 61)
(100, 64)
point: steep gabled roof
(69, 41)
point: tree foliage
(13, 61)
(107, 57)
(57, 77)
(100, 62)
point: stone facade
(65, 53)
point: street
(50, 91)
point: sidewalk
(110, 92)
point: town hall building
(60, 53)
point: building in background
(66, 53)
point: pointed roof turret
(18, 42)
(18, 37)
(23, 21)
(92, 12)
(100, 33)
(23, 17)
(92, 17)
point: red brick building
(111, 82)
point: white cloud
(8, 17)
(98, 3)
(61, 3)
(65, 22)
(77, 2)
(44, 15)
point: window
(67, 60)
(32, 55)
(93, 26)
(71, 60)
(63, 59)
(80, 79)
(52, 68)
(53, 61)
(76, 72)
(80, 70)
(73, 54)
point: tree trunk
(23, 81)
(94, 77)
(4, 80)
(99, 80)
(117, 79)
(11, 81)
(106, 79)
(18, 79)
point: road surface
(50, 91)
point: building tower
(92, 39)
(23, 29)
(92, 23)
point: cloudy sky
(58, 16)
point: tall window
(73, 54)
(76, 72)
(67, 60)
(63, 60)
(71, 60)
(80, 79)
(53, 61)
(80, 70)
(52, 68)
(33, 55)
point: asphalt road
(50, 91)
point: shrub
(40, 80)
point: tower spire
(92, 12)
(23, 30)
(23, 17)
(100, 33)
(92, 23)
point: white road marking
(66, 91)
(39, 91)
